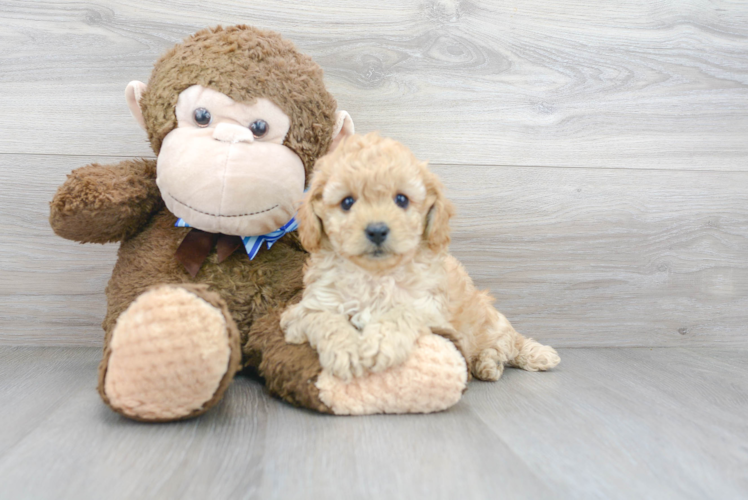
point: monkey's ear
(133, 93)
(342, 129)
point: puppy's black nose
(377, 232)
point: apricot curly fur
(366, 302)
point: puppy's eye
(202, 117)
(347, 203)
(259, 128)
(402, 201)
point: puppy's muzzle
(377, 232)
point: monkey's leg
(171, 354)
(432, 379)
(290, 370)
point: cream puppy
(376, 224)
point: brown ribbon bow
(196, 247)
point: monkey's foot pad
(432, 379)
(169, 351)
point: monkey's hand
(105, 203)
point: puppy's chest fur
(344, 288)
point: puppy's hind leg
(486, 335)
(488, 365)
(494, 344)
(534, 356)
(499, 344)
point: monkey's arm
(105, 203)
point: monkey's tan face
(224, 169)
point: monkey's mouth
(249, 214)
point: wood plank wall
(597, 151)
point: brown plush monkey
(208, 257)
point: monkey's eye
(402, 201)
(202, 117)
(259, 128)
(347, 203)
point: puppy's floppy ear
(310, 226)
(436, 232)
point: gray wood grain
(640, 238)
(51, 289)
(628, 423)
(601, 257)
(576, 83)
(607, 423)
(36, 382)
(575, 257)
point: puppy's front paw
(339, 355)
(292, 326)
(382, 347)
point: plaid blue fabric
(253, 243)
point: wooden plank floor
(597, 156)
(608, 423)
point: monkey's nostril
(377, 232)
(227, 132)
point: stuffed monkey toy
(208, 254)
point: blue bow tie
(253, 243)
